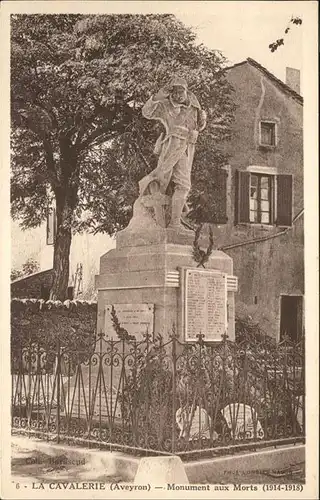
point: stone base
(140, 270)
(161, 471)
(154, 236)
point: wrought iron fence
(161, 397)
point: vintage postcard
(159, 300)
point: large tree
(78, 137)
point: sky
(246, 29)
(239, 29)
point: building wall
(27, 244)
(85, 249)
(266, 269)
(257, 98)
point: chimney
(293, 79)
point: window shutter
(221, 197)
(284, 200)
(242, 196)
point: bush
(29, 267)
(71, 323)
(16, 274)
(248, 332)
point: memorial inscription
(205, 300)
(136, 319)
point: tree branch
(107, 127)
(90, 139)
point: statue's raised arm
(180, 113)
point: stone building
(264, 198)
(262, 204)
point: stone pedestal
(145, 277)
(145, 268)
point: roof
(280, 84)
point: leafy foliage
(71, 323)
(78, 83)
(200, 256)
(121, 332)
(29, 267)
(16, 274)
(249, 332)
(297, 21)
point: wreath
(199, 255)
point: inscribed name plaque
(136, 319)
(205, 300)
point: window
(51, 226)
(263, 198)
(260, 198)
(267, 134)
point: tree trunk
(66, 201)
(61, 265)
(62, 244)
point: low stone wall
(34, 286)
(73, 323)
